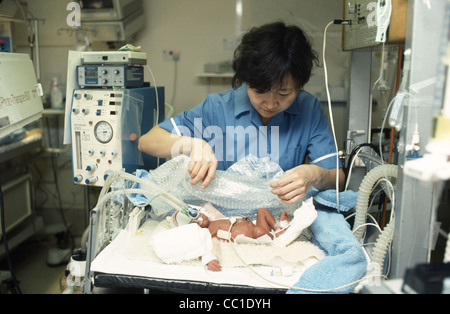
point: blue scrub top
(233, 128)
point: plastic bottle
(56, 96)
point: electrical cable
(5, 243)
(175, 80)
(156, 92)
(380, 78)
(325, 68)
(352, 158)
(359, 147)
(157, 120)
(233, 244)
(58, 192)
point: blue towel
(345, 261)
(139, 199)
(347, 200)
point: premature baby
(211, 224)
(230, 229)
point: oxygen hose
(149, 189)
(386, 236)
(365, 191)
(383, 242)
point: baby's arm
(214, 266)
(211, 260)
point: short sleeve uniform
(233, 128)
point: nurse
(266, 113)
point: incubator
(116, 255)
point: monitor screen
(96, 4)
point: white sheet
(131, 255)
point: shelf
(10, 20)
(218, 75)
(14, 150)
(53, 112)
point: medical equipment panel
(374, 22)
(110, 76)
(114, 57)
(105, 127)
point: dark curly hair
(268, 54)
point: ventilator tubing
(382, 244)
(147, 189)
(365, 191)
(362, 204)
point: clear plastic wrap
(239, 191)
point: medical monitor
(108, 10)
(20, 94)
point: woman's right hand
(203, 165)
(162, 144)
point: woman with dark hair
(266, 114)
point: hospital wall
(198, 29)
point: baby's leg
(265, 220)
(258, 232)
(265, 223)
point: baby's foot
(284, 217)
(282, 225)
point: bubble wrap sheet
(240, 191)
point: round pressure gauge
(103, 132)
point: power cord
(330, 109)
(156, 119)
(5, 243)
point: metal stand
(359, 108)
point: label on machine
(110, 76)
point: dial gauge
(103, 132)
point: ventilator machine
(110, 109)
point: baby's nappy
(182, 243)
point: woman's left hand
(294, 185)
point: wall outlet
(171, 55)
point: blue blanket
(345, 262)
